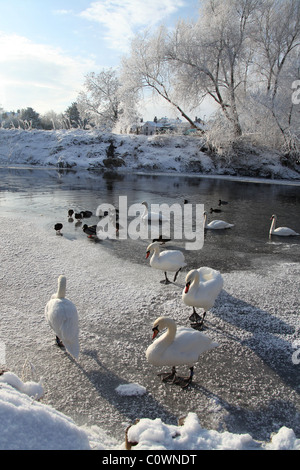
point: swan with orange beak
(202, 287)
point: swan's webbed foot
(196, 320)
(184, 382)
(166, 280)
(59, 342)
(168, 376)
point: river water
(249, 384)
(250, 205)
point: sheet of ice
(244, 392)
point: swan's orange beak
(187, 286)
(155, 332)
(147, 254)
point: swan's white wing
(204, 294)
(284, 231)
(62, 316)
(186, 348)
(172, 259)
(218, 224)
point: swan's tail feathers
(73, 349)
(62, 284)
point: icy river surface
(249, 384)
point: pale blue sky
(48, 46)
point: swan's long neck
(195, 280)
(156, 251)
(205, 219)
(273, 224)
(62, 284)
(145, 210)
(169, 336)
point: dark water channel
(35, 192)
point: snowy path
(248, 384)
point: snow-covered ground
(79, 149)
(30, 425)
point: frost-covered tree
(99, 103)
(148, 68)
(130, 118)
(211, 55)
(52, 121)
(276, 65)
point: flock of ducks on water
(177, 345)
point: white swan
(62, 316)
(282, 231)
(216, 224)
(177, 346)
(202, 287)
(152, 216)
(167, 260)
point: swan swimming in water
(202, 287)
(167, 260)
(62, 316)
(177, 346)
(216, 224)
(282, 231)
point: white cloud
(123, 18)
(63, 12)
(37, 74)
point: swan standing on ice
(167, 260)
(216, 224)
(202, 287)
(62, 316)
(177, 346)
(282, 231)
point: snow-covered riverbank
(79, 149)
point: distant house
(164, 125)
(149, 128)
(161, 126)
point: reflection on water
(50, 193)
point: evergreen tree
(73, 116)
(30, 118)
